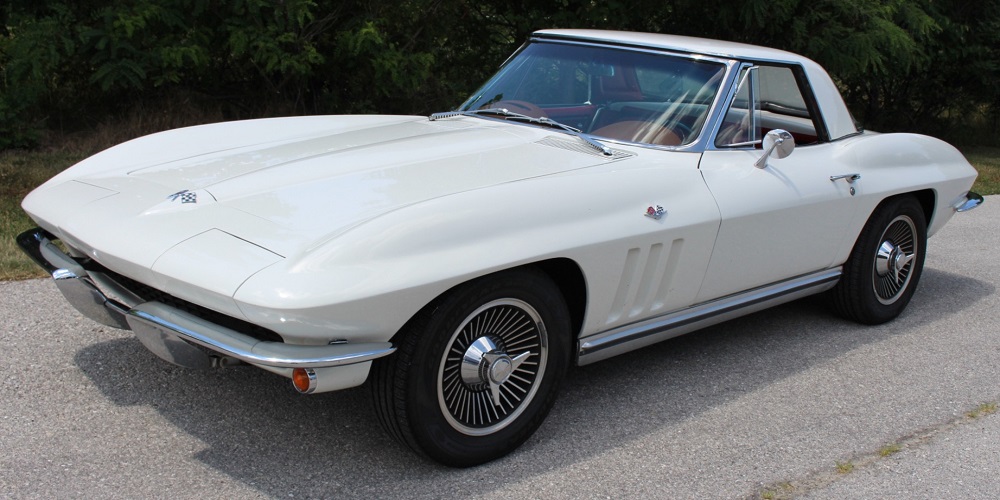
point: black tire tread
(846, 298)
(390, 374)
(388, 389)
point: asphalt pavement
(790, 402)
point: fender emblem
(186, 196)
(656, 212)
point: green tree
(922, 65)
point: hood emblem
(656, 212)
(185, 196)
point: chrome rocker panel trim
(172, 334)
(636, 335)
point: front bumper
(178, 336)
(970, 201)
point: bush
(920, 65)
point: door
(788, 218)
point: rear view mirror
(778, 143)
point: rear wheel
(476, 373)
(885, 265)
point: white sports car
(602, 192)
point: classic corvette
(602, 192)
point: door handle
(850, 178)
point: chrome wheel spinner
(894, 259)
(493, 366)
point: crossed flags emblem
(185, 196)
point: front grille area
(148, 293)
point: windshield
(608, 93)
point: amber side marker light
(304, 380)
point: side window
(783, 106)
(740, 126)
(767, 98)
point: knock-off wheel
(477, 371)
(894, 260)
(488, 374)
(885, 265)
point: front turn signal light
(304, 380)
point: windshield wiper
(548, 122)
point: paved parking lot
(767, 404)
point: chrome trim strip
(731, 86)
(715, 110)
(630, 337)
(972, 200)
(33, 241)
(311, 374)
(169, 332)
(116, 290)
(850, 178)
(83, 294)
(72, 280)
(159, 319)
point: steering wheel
(681, 130)
(523, 107)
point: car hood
(285, 185)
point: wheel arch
(928, 201)
(468, 409)
(926, 198)
(569, 278)
(565, 273)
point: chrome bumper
(972, 200)
(177, 336)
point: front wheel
(882, 272)
(476, 372)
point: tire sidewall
(434, 435)
(860, 268)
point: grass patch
(20, 172)
(987, 162)
(888, 449)
(982, 410)
(780, 492)
(845, 467)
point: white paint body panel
(344, 227)
(789, 219)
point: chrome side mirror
(778, 143)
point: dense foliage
(923, 65)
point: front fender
(367, 282)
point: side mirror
(778, 143)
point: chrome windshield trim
(701, 143)
(636, 335)
(638, 48)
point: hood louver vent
(580, 146)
